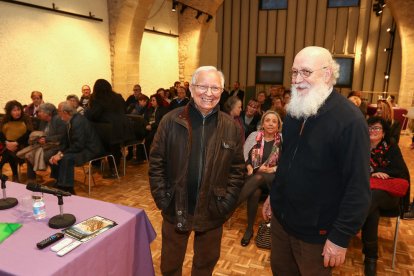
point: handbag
(394, 186)
(263, 237)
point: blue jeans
(64, 171)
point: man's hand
(333, 255)
(249, 169)
(267, 210)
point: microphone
(47, 190)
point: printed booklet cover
(89, 228)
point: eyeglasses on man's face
(204, 88)
(374, 128)
(305, 73)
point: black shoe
(409, 214)
(246, 238)
(370, 267)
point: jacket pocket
(167, 199)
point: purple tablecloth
(122, 250)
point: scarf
(378, 156)
(257, 151)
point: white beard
(304, 106)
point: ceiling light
(174, 6)
(209, 17)
(199, 13)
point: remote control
(60, 245)
(49, 240)
(68, 248)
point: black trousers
(174, 246)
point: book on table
(89, 228)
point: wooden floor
(133, 190)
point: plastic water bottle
(39, 209)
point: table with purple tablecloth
(121, 250)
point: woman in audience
(233, 107)
(385, 111)
(261, 151)
(14, 134)
(153, 117)
(386, 162)
(107, 111)
(250, 117)
(277, 105)
(261, 99)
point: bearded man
(320, 195)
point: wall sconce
(199, 13)
(174, 5)
(183, 7)
(209, 17)
(387, 49)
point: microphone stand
(62, 220)
(6, 202)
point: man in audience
(320, 195)
(261, 99)
(86, 94)
(79, 145)
(237, 92)
(74, 100)
(53, 130)
(187, 89)
(274, 91)
(250, 117)
(133, 99)
(196, 185)
(181, 99)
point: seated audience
(53, 129)
(74, 100)
(237, 91)
(261, 150)
(181, 99)
(132, 100)
(386, 162)
(79, 145)
(286, 98)
(385, 111)
(225, 95)
(277, 105)
(15, 128)
(31, 109)
(107, 112)
(153, 118)
(274, 91)
(86, 94)
(161, 92)
(233, 107)
(354, 98)
(250, 118)
(261, 99)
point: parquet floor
(133, 190)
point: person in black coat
(79, 145)
(153, 118)
(386, 162)
(181, 99)
(107, 112)
(237, 92)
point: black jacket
(222, 175)
(321, 188)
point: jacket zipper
(201, 163)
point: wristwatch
(61, 155)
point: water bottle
(39, 209)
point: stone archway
(403, 13)
(127, 20)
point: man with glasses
(196, 172)
(320, 195)
(132, 100)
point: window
(269, 70)
(273, 4)
(342, 3)
(346, 72)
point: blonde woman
(385, 111)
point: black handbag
(263, 237)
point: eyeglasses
(253, 106)
(204, 88)
(305, 73)
(375, 128)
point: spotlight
(183, 7)
(209, 17)
(387, 49)
(174, 5)
(199, 13)
(387, 77)
(377, 8)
